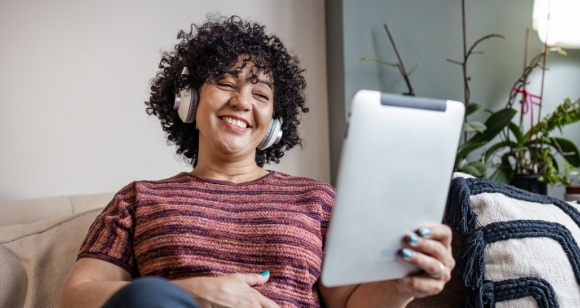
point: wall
(429, 32)
(74, 76)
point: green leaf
(504, 173)
(495, 124)
(517, 133)
(476, 168)
(495, 147)
(480, 166)
(474, 127)
(567, 149)
(471, 108)
(470, 170)
(465, 149)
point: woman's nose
(241, 99)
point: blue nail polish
(425, 232)
(266, 273)
(407, 253)
(413, 238)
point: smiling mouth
(235, 122)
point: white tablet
(396, 166)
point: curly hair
(209, 51)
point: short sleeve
(327, 199)
(110, 237)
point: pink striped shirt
(187, 226)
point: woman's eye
(223, 84)
(262, 96)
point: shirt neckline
(228, 183)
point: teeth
(235, 122)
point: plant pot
(530, 183)
(572, 193)
(573, 190)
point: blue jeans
(151, 292)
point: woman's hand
(234, 290)
(430, 250)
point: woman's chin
(236, 149)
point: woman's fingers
(264, 301)
(255, 279)
(431, 248)
(432, 266)
(441, 233)
(421, 286)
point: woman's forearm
(378, 294)
(89, 294)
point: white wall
(74, 76)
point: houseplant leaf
(567, 149)
(495, 147)
(495, 124)
(471, 108)
(465, 149)
(475, 168)
(517, 133)
(474, 127)
(504, 173)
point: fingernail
(425, 232)
(413, 238)
(266, 273)
(407, 253)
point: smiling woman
(200, 238)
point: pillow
(520, 249)
(37, 257)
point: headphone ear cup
(186, 104)
(273, 136)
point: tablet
(397, 161)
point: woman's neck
(211, 167)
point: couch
(39, 241)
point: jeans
(151, 292)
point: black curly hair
(209, 51)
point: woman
(208, 233)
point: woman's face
(234, 114)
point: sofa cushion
(37, 257)
(520, 249)
(18, 212)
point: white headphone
(186, 105)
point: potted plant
(530, 157)
(529, 162)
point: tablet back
(396, 165)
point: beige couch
(39, 241)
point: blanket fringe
(471, 259)
(458, 212)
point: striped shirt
(187, 226)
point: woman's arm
(374, 294)
(91, 282)
(430, 251)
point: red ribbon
(528, 97)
